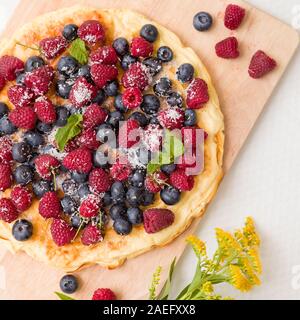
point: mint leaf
(79, 51)
(63, 296)
(69, 131)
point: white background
(264, 182)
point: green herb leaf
(164, 294)
(79, 51)
(63, 296)
(69, 131)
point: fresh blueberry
(33, 138)
(121, 46)
(76, 221)
(63, 88)
(170, 195)
(33, 63)
(23, 174)
(6, 127)
(3, 109)
(69, 204)
(118, 192)
(168, 168)
(117, 211)
(79, 177)
(107, 199)
(190, 118)
(21, 78)
(118, 103)
(101, 159)
(62, 116)
(144, 155)
(41, 187)
(140, 118)
(150, 104)
(83, 190)
(134, 196)
(122, 226)
(148, 198)
(112, 89)
(70, 32)
(165, 54)
(149, 32)
(115, 117)
(84, 71)
(127, 61)
(153, 64)
(135, 215)
(162, 87)
(100, 97)
(69, 187)
(202, 21)
(32, 160)
(105, 133)
(67, 66)
(153, 120)
(44, 127)
(68, 284)
(22, 230)
(21, 152)
(137, 178)
(185, 72)
(174, 99)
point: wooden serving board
(242, 100)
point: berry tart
(71, 81)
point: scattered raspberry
(90, 206)
(228, 48)
(5, 176)
(49, 206)
(120, 171)
(141, 48)
(152, 137)
(21, 198)
(2, 82)
(129, 134)
(79, 160)
(45, 165)
(137, 75)
(91, 235)
(132, 98)
(8, 211)
(94, 116)
(104, 294)
(91, 32)
(261, 64)
(45, 110)
(234, 16)
(197, 94)
(181, 181)
(40, 80)
(52, 47)
(105, 55)
(157, 219)
(61, 232)
(5, 150)
(88, 138)
(23, 118)
(20, 96)
(155, 182)
(10, 66)
(82, 93)
(99, 181)
(102, 74)
(171, 118)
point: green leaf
(63, 296)
(69, 131)
(164, 294)
(79, 51)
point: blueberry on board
(127, 60)
(150, 104)
(122, 226)
(43, 127)
(41, 187)
(62, 116)
(170, 195)
(162, 87)
(33, 63)
(134, 196)
(153, 64)
(84, 71)
(175, 99)
(23, 174)
(33, 138)
(117, 211)
(22, 230)
(137, 178)
(190, 116)
(6, 127)
(69, 204)
(121, 46)
(135, 215)
(149, 32)
(70, 32)
(140, 118)
(69, 187)
(185, 72)
(118, 192)
(79, 177)
(68, 284)
(67, 66)
(21, 152)
(112, 88)
(114, 118)
(202, 21)
(168, 168)
(100, 97)
(118, 103)
(148, 198)
(165, 54)
(83, 190)
(3, 109)
(63, 88)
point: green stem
(28, 47)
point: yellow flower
(198, 246)
(255, 259)
(249, 271)
(240, 237)
(207, 288)
(227, 243)
(238, 279)
(250, 233)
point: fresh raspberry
(181, 181)
(21, 198)
(91, 235)
(8, 211)
(20, 96)
(132, 98)
(99, 181)
(141, 48)
(91, 32)
(104, 294)
(155, 182)
(171, 118)
(261, 64)
(45, 165)
(102, 74)
(137, 75)
(82, 93)
(23, 118)
(234, 16)
(104, 55)
(129, 134)
(5, 176)
(197, 94)
(152, 137)
(71, 146)
(2, 82)
(53, 46)
(5, 150)
(49, 206)
(120, 171)
(157, 219)
(39, 80)
(94, 116)
(88, 138)
(10, 66)
(79, 160)
(61, 232)
(228, 48)
(90, 206)
(45, 110)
